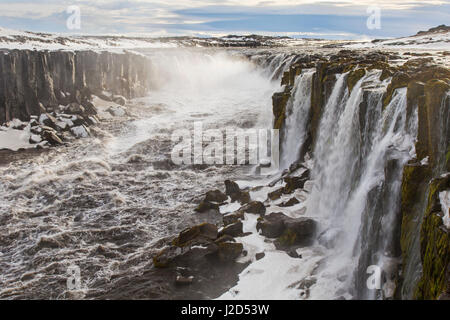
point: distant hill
(439, 29)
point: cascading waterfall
(358, 159)
(298, 109)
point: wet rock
(230, 251)
(215, 196)
(354, 77)
(255, 207)
(205, 231)
(51, 137)
(90, 109)
(48, 120)
(80, 131)
(294, 183)
(233, 217)
(34, 138)
(225, 238)
(293, 254)
(290, 203)
(298, 231)
(260, 256)
(231, 188)
(289, 231)
(165, 257)
(272, 226)
(244, 197)
(275, 195)
(234, 230)
(92, 120)
(206, 206)
(75, 108)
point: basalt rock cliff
(421, 242)
(32, 82)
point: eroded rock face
(35, 81)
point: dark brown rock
(234, 230)
(231, 188)
(215, 196)
(255, 207)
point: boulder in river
(215, 196)
(206, 206)
(233, 217)
(255, 207)
(75, 108)
(231, 188)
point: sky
(330, 19)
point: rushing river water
(103, 204)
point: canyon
(364, 176)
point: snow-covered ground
(428, 41)
(13, 39)
(14, 139)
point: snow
(230, 207)
(444, 197)
(437, 41)
(116, 111)
(277, 276)
(104, 106)
(80, 132)
(14, 140)
(274, 277)
(13, 39)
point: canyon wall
(32, 82)
(418, 240)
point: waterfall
(358, 160)
(297, 115)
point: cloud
(331, 18)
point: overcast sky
(343, 19)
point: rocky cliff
(32, 82)
(420, 240)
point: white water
(297, 113)
(345, 178)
